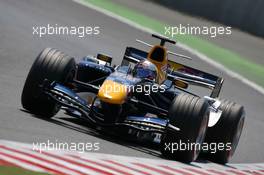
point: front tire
(50, 64)
(227, 131)
(191, 115)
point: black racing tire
(226, 131)
(52, 65)
(191, 115)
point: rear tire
(191, 115)
(50, 64)
(226, 131)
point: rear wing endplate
(195, 77)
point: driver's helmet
(145, 69)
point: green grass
(229, 59)
(9, 170)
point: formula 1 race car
(147, 95)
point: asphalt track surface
(19, 47)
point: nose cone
(112, 92)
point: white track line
(183, 46)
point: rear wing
(195, 77)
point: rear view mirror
(104, 58)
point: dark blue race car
(147, 95)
